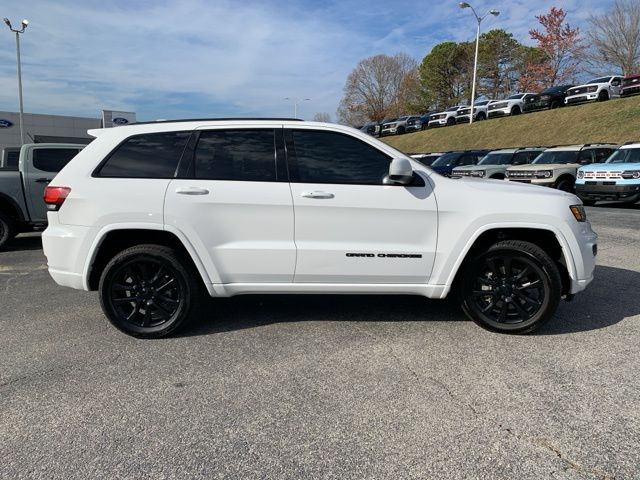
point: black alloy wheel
(514, 287)
(148, 291)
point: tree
(322, 117)
(560, 46)
(376, 88)
(614, 39)
(445, 74)
(501, 62)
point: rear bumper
(622, 193)
(66, 247)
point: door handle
(317, 194)
(43, 180)
(192, 191)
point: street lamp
(495, 13)
(296, 101)
(25, 24)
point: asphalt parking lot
(323, 387)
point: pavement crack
(571, 464)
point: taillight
(54, 197)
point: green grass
(615, 121)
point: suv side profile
(399, 126)
(152, 215)
(479, 110)
(557, 167)
(445, 118)
(513, 105)
(494, 164)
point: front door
(235, 206)
(349, 226)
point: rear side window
(241, 154)
(52, 159)
(151, 155)
(330, 157)
(602, 154)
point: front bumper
(388, 131)
(413, 128)
(463, 118)
(442, 122)
(583, 97)
(597, 191)
(499, 112)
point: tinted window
(518, 96)
(152, 155)
(625, 155)
(521, 158)
(602, 154)
(557, 156)
(452, 109)
(496, 159)
(240, 154)
(447, 160)
(468, 159)
(328, 157)
(586, 156)
(52, 159)
(598, 80)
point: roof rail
(631, 142)
(181, 120)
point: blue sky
(195, 58)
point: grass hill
(615, 121)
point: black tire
(152, 276)
(400, 131)
(515, 110)
(497, 176)
(451, 121)
(481, 116)
(566, 185)
(7, 229)
(554, 105)
(588, 203)
(513, 287)
(603, 96)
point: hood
(503, 187)
(599, 167)
(543, 166)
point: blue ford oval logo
(120, 121)
(5, 123)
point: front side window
(52, 159)
(241, 154)
(330, 157)
(602, 154)
(150, 155)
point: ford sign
(120, 121)
(5, 123)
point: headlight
(579, 213)
(506, 174)
(392, 125)
(631, 174)
(477, 173)
(592, 89)
(544, 174)
(580, 174)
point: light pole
(296, 101)
(495, 13)
(24, 24)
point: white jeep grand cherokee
(151, 215)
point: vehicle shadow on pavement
(611, 297)
(23, 243)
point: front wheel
(149, 291)
(513, 287)
(566, 186)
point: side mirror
(400, 172)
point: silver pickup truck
(22, 207)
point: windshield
(516, 97)
(496, 159)
(446, 160)
(626, 155)
(402, 118)
(428, 159)
(452, 109)
(547, 158)
(598, 80)
(484, 102)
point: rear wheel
(149, 291)
(513, 287)
(7, 229)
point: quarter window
(241, 154)
(152, 155)
(52, 159)
(330, 157)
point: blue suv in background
(450, 160)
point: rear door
(40, 165)
(349, 226)
(233, 203)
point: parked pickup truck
(22, 207)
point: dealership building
(41, 128)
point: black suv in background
(445, 164)
(552, 97)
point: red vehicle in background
(630, 85)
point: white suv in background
(513, 105)
(597, 90)
(151, 215)
(445, 118)
(479, 110)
